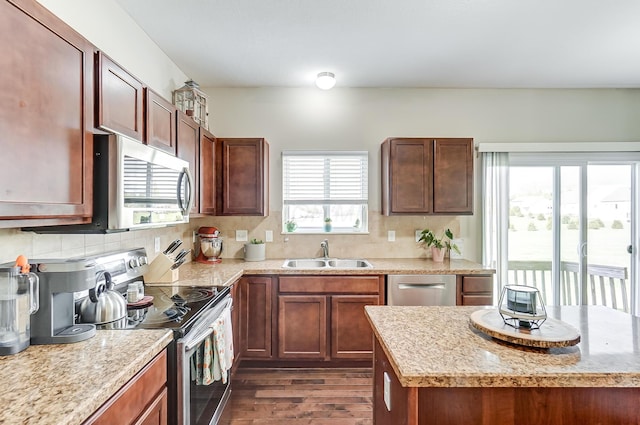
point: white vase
(254, 252)
(437, 254)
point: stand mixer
(208, 245)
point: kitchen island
(439, 370)
(66, 383)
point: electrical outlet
(387, 391)
(268, 235)
(156, 244)
(460, 244)
(418, 234)
(391, 235)
(242, 236)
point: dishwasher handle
(421, 286)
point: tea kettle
(18, 301)
(103, 305)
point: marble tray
(552, 333)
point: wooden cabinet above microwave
(119, 99)
(427, 176)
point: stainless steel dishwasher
(417, 289)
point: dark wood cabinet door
(427, 176)
(407, 182)
(302, 327)
(188, 142)
(255, 317)
(207, 172)
(160, 122)
(119, 99)
(46, 119)
(243, 180)
(453, 176)
(351, 334)
(156, 413)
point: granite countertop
(65, 383)
(229, 270)
(436, 347)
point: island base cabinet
(499, 405)
(401, 399)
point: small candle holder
(521, 306)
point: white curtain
(495, 215)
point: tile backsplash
(369, 245)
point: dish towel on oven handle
(215, 357)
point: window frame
(327, 202)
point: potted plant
(254, 250)
(291, 225)
(327, 224)
(439, 245)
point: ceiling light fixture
(326, 80)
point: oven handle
(203, 328)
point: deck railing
(607, 285)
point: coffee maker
(18, 301)
(208, 245)
(55, 323)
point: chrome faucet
(325, 248)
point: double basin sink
(326, 263)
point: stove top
(172, 307)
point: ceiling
(401, 43)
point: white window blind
(325, 178)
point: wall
(361, 119)
(341, 118)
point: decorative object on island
(439, 246)
(327, 224)
(193, 102)
(208, 245)
(522, 307)
(291, 225)
(254, 250)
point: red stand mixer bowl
(209, 245)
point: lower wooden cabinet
(255, 317)
(475, 290)
(351, 334)
(235, 324)
(323, 318)
(302, 327)
(143, 400)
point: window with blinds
(325, 191)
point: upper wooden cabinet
(46, 119)
(119, 99)
(160, 122)
(188, 148)
(243, 177)
(207, 172)
(427, 176)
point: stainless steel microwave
(135, 187)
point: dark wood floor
(300, 396)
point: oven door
(200, 404)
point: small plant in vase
(290, 225)
(254, 250)
(439, 245)
(327, 224)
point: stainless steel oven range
(189, 312)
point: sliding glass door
(571, 226)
